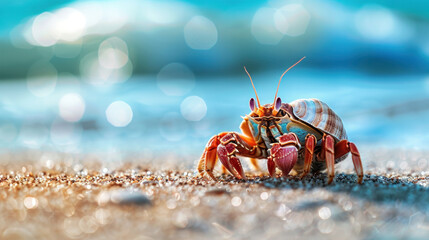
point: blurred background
(159, 78)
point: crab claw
(231, 163)
(285, 157)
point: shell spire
(319, 115)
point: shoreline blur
(152, 114)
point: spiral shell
(319, 115)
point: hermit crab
(302, 137)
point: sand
(69, 200)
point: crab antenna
(257, 98)
(275, 97)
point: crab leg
(310, 143)
(284, 154)
(226, 146)
(343, 147)
(209, 156)
(328, 155)
(226, 161)
(233, 144)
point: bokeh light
(175, 79)
(292, 20)
(66, 24)
(113, 53)
(119, 114)
(193, 108)
(93, 72)
(42, 29)
(324, 213)
(200, 33)
(93, 13)
(71, 107)
(30, 202)
(70, 24)
(264, 28)
(376, 23)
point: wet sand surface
(70, 200)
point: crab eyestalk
(252, 104)
(277, 106)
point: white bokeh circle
(119, 114)
(193, 108)
(200, 33)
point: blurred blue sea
(162, 77)
(376, 112)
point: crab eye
(278, 104)
(252, 104)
